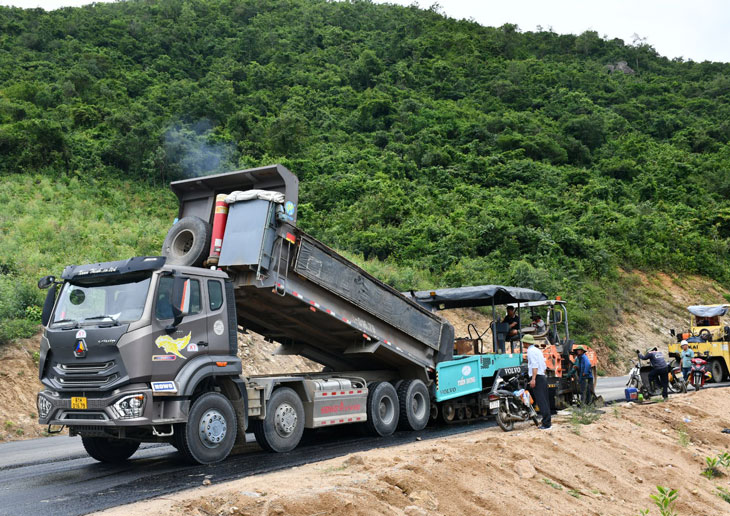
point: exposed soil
(654, 304)
(608, 467)
(19, 385)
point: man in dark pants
(538, 382)
(659, 368)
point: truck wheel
(187, 242)
(210, 432)
(718, 372)
(105, 449)
(283, 426)
(382, 409)
(414, 405)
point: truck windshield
(101, 304)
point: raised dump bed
(295, 290)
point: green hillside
(435, 152)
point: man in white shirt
(538, 382)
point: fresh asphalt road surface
(612, 387)
(55, 476)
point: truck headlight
(44, 407)
(130, 406)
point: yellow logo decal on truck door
(171, 345)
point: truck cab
(128, 344)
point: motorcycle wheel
(673, 386)
(697, 384)
(680, 385)
(503, 416)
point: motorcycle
(639, 378)
(699, 373)
(510, 401)
(676, 379)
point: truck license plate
(494, 404)
(78, 403)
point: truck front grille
(85, 368)
(86, 375)
(87, 382)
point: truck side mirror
(180, 301)
(46, 281)
(48, 304)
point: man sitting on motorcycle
(659, 368)
(581, 368)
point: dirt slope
(652, 304)
(609, 467)
(18, 388)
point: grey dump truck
(145, 349)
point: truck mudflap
(133, 406)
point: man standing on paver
(538, 382)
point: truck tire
(210, 432)
(282, 428)
(382, 409)
(718, 372)
(187, 242)
(414, 405)
(106, 449)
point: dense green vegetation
(436, 152)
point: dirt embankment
(608, 467)
(651, 305)
(19, 385)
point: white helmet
(684, 343)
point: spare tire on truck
(187, 242)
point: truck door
(172, 349)
(217, 318)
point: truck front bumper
(130, 406)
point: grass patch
(583, 415)
(683, 437)
(723, 493)
(334, 469)
(552, 484)
(574, 493)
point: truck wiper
(61, 321)
(116, 323)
